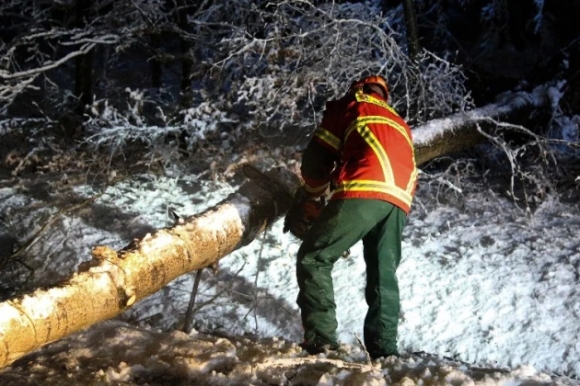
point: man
(363, 152)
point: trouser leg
(382, 252)
(323, 245)
(341, 224)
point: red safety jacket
(371, 152)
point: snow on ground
(120, 354)
(488, 290)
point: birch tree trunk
(461, 131)
(114, 280)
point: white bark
(115, 280)
(460, 131)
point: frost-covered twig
(48, 66)
(38, 234)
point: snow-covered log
(114, 280)
(460, 131)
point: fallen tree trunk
(114, 280)
(461, 131)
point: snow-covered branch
(47, 66)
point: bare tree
(412, 29)
(45, 45)
(84, 63)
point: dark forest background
(89, 85)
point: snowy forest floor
(489, 289)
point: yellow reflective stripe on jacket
(378, 120)
(413, 179)
(374, 143)
(328, 138)
(375, 186)
(388, 186)
(362, 97)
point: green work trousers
(342, 224)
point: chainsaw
(302, 213)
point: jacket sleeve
(318, 162)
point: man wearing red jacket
(363, 152)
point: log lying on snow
(459, 132)
(115, 280)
